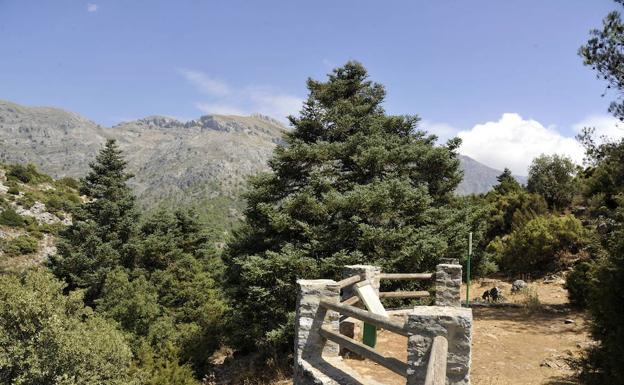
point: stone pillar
(427, 322)
(448, 278)
(309, 345)
(349, 326)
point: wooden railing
(359, 348)
(346, 308)
(349, 281)
(436, 368)
(397, 366)
(388, 294)
(405, 277)
(366, 316)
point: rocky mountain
(479, 178)
(203, 162)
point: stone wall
(310, 317)
(427, 322)
(448, 278)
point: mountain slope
(479, 178)
(202, 162)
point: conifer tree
(506, 183)
(100, 237)
(351, 185)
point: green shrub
(539, 244)
(47, 337)
(27, 200)
(24, 244)
(55, 204)
(26, 174)
(68, 182)
(13, 190)
(578, 283)
(12, 219)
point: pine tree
(351, 185)
(101, 236)
(507, 183)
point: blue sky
(460, 65)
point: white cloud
(92, 7)
(205, 84)
(443, 131)
(220, 109)
(606, 126)
(514, 142)
(227, 100)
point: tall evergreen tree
(350, 185)
(507, 183)
(100, 237)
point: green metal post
(468, 269)
(369, 335)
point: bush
(24, 244)
(11, 218)
(68, 182)
(578, 283)
(26, 174)
(539, 244)
(47, 337)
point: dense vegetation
(147, 298)
(598, 282)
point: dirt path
(511, 346)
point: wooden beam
(351, 301)
(349, 281)
(366, 316)
(356, 347)
(436, 367)
(406, 276)
(404, 294)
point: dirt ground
(511, 345)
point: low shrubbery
(26, 174)
(578, 283)
(8, 217)
(23, 244)
(542, 244)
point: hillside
(33, 208)
(203, 162)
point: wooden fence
(437, 361)
(325, 326)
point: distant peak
(161, 121)
(267, 118)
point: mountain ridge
(203, 161)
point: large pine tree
(100, 238)
(350, 185)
